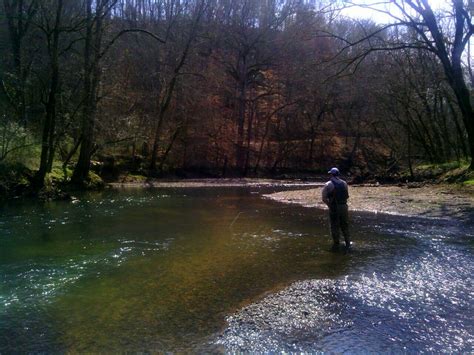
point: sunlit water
(225, 270)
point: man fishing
(335, 194)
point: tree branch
(130, 30)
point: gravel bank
(433, 201)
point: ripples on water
(33, 281)
(46, 249)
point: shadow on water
(211, 269)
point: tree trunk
(460, 133)
(240, 156)
(47, 141)
(19, 17)
(169, 92)
(410, 165)
(463, 97)
(453, 66)
(168, 149)
(249, 139)
(91, 82)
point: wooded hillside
(231, 87)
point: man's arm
(327, 190)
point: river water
(222, 269)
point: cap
(334, 171)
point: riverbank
(433, 201)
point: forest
(225, 88)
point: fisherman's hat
(334, 171)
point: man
(335, 194)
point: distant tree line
(242, 87)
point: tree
(168, 90)
(96, 13)
(20, 16)
(249, 29)
(52, 30)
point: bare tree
(20, 16)
(446, 34)
(52, 31)
(176, 73)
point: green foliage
(17, 144)
(468, 178)
(451, 172)
(59, 175)
(137, 178)
(14, 177)
(56, 187)
(442, 167)
(94, 181)
(49, 186)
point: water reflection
(160, 270)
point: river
(222, 269)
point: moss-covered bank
(17, 180)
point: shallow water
(223, 269)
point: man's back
(335, 191)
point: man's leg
(334, 221)
(344, 223)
